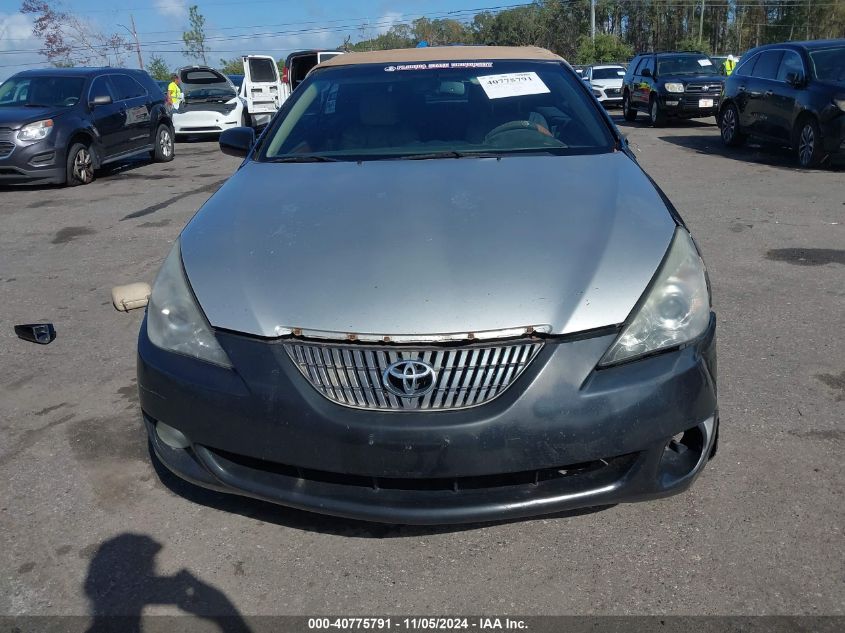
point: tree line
(623, 27)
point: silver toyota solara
(439, 289)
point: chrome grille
(468, 376)
(714, 88)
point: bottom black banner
(334, 623)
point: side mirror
(41, 333)
(585, 78)
(794, 79)
(646, 72)
(237, 141)
(100, 100)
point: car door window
(101, 87)
(791, 63)
(262, 70)
(746, 68)
(638, 66)
(127, 88)
(648, 65)
(768, 64)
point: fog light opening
(170, 436)
(682, 454)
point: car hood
(15, 118)
(427, 246)
(608, 83)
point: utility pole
(134, 35)
(593, 19)
(701, 24)
(138, 44)
(809, 8)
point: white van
(261, 89)
(298, 64)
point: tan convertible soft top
(441, 54)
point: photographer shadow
(122, 580)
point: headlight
(174, 320)
(840, 102)
(596, 93)
(674, 87)
(36, 131)
(674, 310)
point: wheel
(163, 150)
(80, 165)
(628, 112)
(655, 114)
(808, 143)
(729, 127)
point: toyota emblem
(409, 378)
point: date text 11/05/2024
(416, 624)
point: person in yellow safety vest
(730, 64)
(174, 92)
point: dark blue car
(59, 125)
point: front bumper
(564, 436)
(40, 162)
(687, 105)
(609, 96)
(198, 122)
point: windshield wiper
(448, 154)
(302, 159)
(37, 105)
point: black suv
(683, 84)
(58, 125)
(792, 94)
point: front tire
(656, 114)
(80, 165)
(163, 149)
(808, 144)
(628, 112)
(732, 136)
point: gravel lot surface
(89, 524)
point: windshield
(829, 64)
(35, 92)
(437, 110)
(608, 73)
(685, 65)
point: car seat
(379, 124)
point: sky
(272, 27)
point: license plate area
(705, 103)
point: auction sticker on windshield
(512, 85)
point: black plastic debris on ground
(41, 333)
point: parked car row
(791, 94)
(58, 126)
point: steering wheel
(70, 102)
(516, 126)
